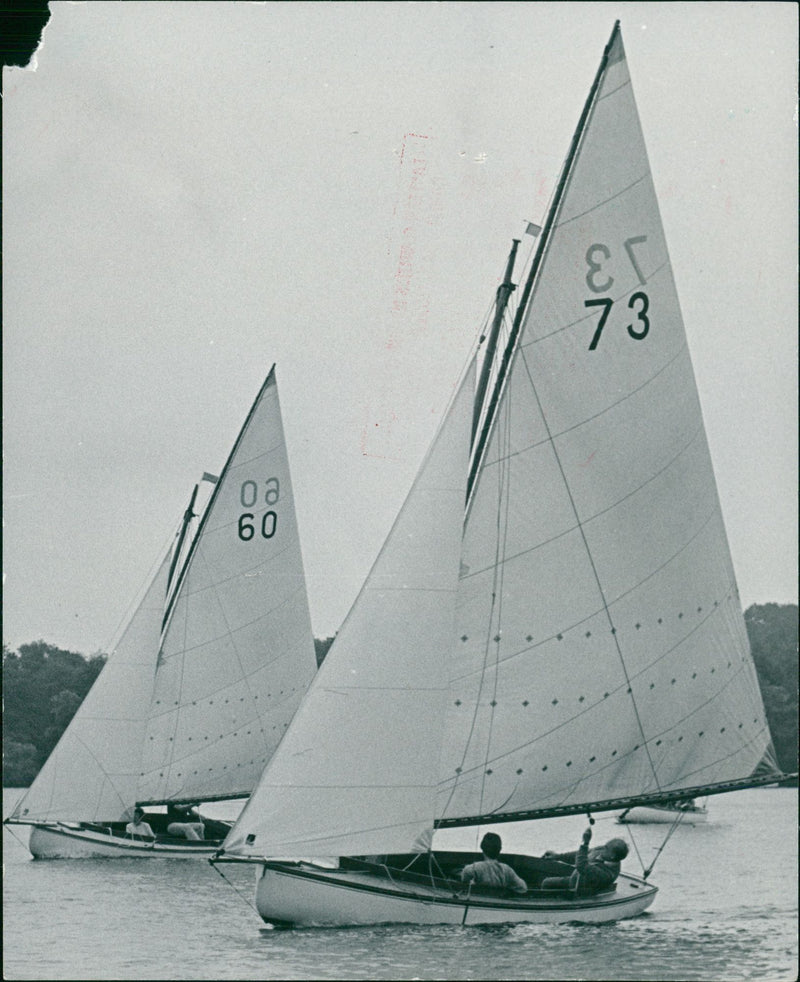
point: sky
(195, 191)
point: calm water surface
(727, 909)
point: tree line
(43, 686)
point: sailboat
(570, 640)
(687, 812)
(204, 679)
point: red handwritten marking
(411, 213)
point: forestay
(358, 767)
(197, 716)
(601, 646)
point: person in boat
(184, 822)
(595, 869)
(138, 826)
(489, 871)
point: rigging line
(503, 512)
(150, 713)
(616, 599)
(10, 827)
(255, 620)
(139, 596)
(486, 655)
(231, 885)
(541, 736)
(675, 824)
(635, 843)
(613, 405)
(618, 501)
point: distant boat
(687, 812)
(201, 687)
(573, 640)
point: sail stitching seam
(599, 514)
(617, 599)
(594, 416)
(611, 92)
(566, 790)
(242, 627)
(604, 202)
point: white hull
(68, 842)
(306, 895)
(643, 815)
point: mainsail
(193, 713)
(599, 650)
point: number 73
(637, 333)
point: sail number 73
(599, 280)
(251, 495)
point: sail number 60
(269, 522)
(249, 496)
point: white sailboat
(686, 812)
(573, 642)
(204, 680)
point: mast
(537, 263)
(188, 515)
(504, 292)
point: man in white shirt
(138, 826)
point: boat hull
(648, 815)
(68, 842)
(306, 895)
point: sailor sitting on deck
(489, 871)
(185, 822)
(138, 826)
(595, 869)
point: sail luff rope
(486, 655)
(537, 264)
(476, 708)
(503, 510)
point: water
(727, 909)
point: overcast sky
(194, 191)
